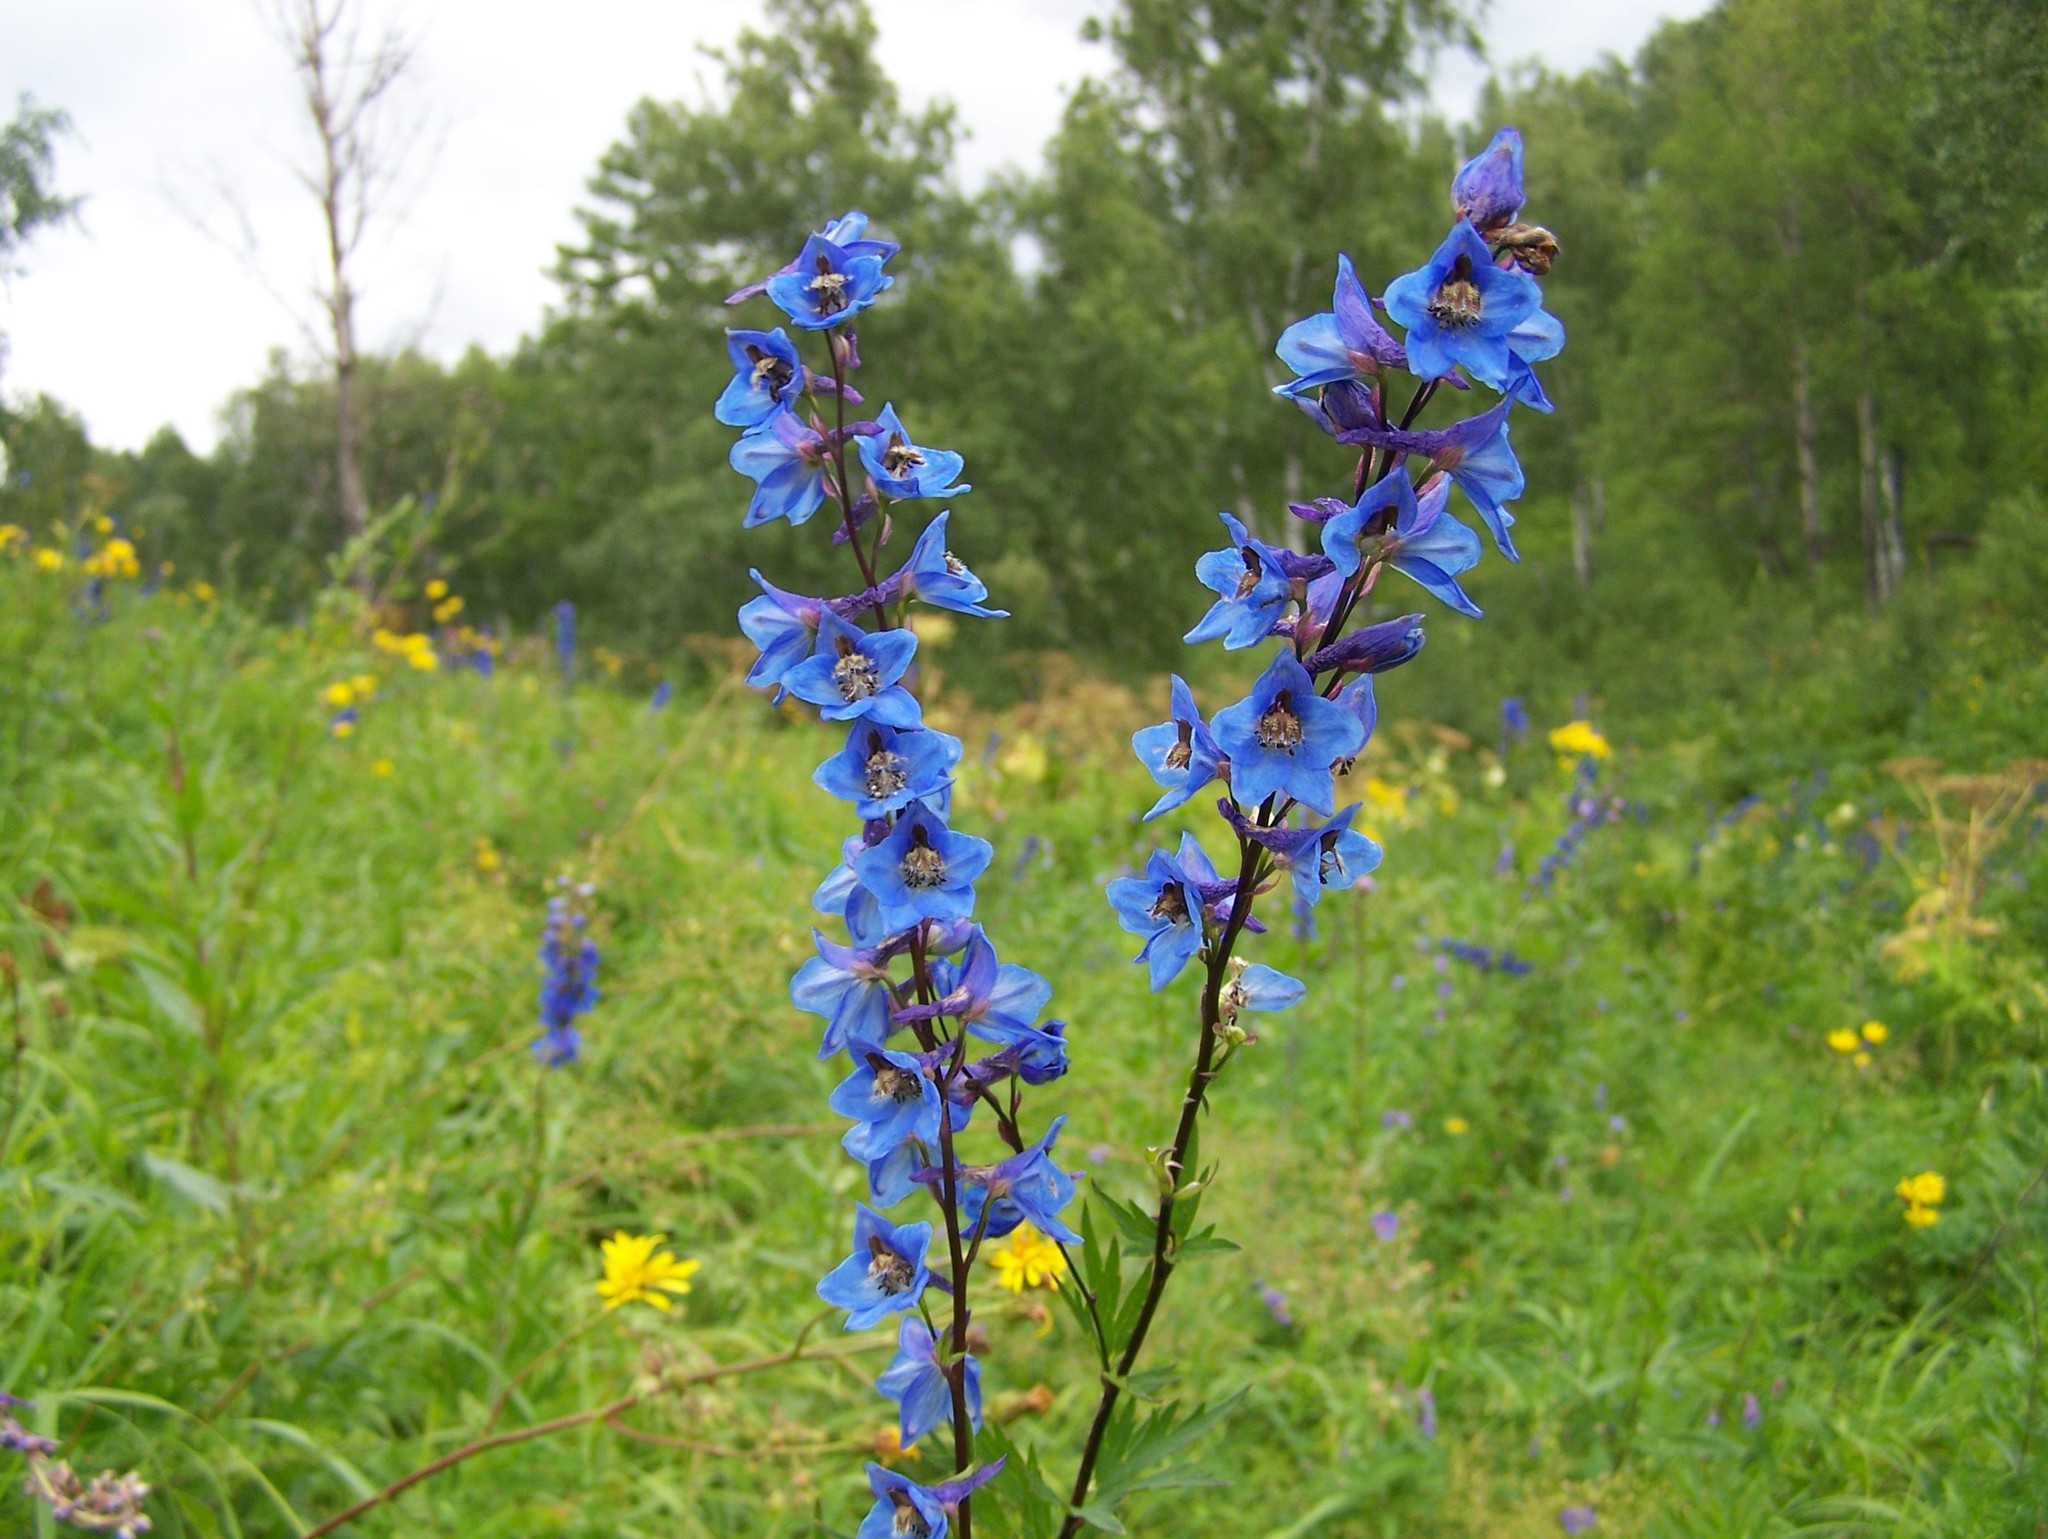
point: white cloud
(137, 318)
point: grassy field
(287, 1209)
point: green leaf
(194, 1185)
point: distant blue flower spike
(883, 769)
(1459, 308)
(568, 987)
(891, 1100)
(846, 233)
(786, 461)
(831, 285)
(885, 1275)
(934, 574)
(767, 376)
(901, 468)
(1164, 906)
(1487, 191)
(1345, 342)
(849, 986)
(853, 673)
(922, 870)
(1253, 588)
(1181, 754)
(1423, 543)
(1477, 456)
(916, 1380)
(1283, 738)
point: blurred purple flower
(1576, 1520)
(1386, 1225)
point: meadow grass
(287, 1209)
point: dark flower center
(1254, 569)
(955, 565)
(922, 867)
(770, 370)
(1280, 727)
(900, 456)
(894, 1084)
(889, 1272)
(1456, 303)
(855, 675)
(1233, 997)
(1179, 755)
(1171, 905)
(884, 770)
(908, 1520)
(830, 287)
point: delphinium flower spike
(1472, 312)
(914, 984)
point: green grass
(285, 1206)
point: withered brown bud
(1532, 247)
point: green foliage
(29, 199)
(290, 1211)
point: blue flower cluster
(568, 959)
(932, 1023)
(1472, 314)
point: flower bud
(1531, 247)
(1487, 191)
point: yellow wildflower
(487, 856)
(608, 660)
(12, 538)
(437, 590)
(1874, 1032)
(1457, 1126)
(338, 694)
(382, 767)
(1027, 1259)
(1925, 1190)
(1578, 740)
(203, 591)
(103, 524)
(364, 684)
(342, 728)
(1025, 758)
(48, 560)
(1844, 1040)
(1384, 796)
(637, 1269)
(890, 1450)
(1862, 1060)
(1920, 1217)
(447, 609)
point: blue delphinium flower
(853, 673)
(786, 460)
(1459, 308)
(890, 1098)
(905, 1510)
(1332, 854)
(565, 637)
(937, 576)
(1181, 754)
(1370, 649)
(1252, 582)
(767, 376)
(849, 986)
(1414, 535)
(1345, 342)
(885, 1275)
(831, 285)
(1164, 906)
(784, 626)
(848, 232)
(883, 769)
(1476, 455)
(916, 1380)
(1256, 986)
(1025, 1188)
(569, 985)
(658, 701)
(1487, 191)
(904, 469)
(922, 869)
(1283, 738)
(993, 1000)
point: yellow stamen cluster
(1923, 1196)
(639, 1269)
(1027, 1259)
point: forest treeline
(1800, 274)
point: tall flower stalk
(932, 1024)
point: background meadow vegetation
(287, 1210)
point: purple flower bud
(1386, 1225)
(1576, 1520)
(1752, 1410)
(1488, 188)
(1425, 1412)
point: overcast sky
(152, 311)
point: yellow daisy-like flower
(382, 767)
(487, 856)
(1875, 1032)
(1920, 1217)
(437, 589)
(448, 609)
(1577, 740)
(342, 728)
(338, 694)
(48, 560)
(12, 538)
(1844, 1040)
(1456, 1126)
(1027, 1259)
(203, 591)
(637, 1269)
(364, 684)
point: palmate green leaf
(1138, 1449)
